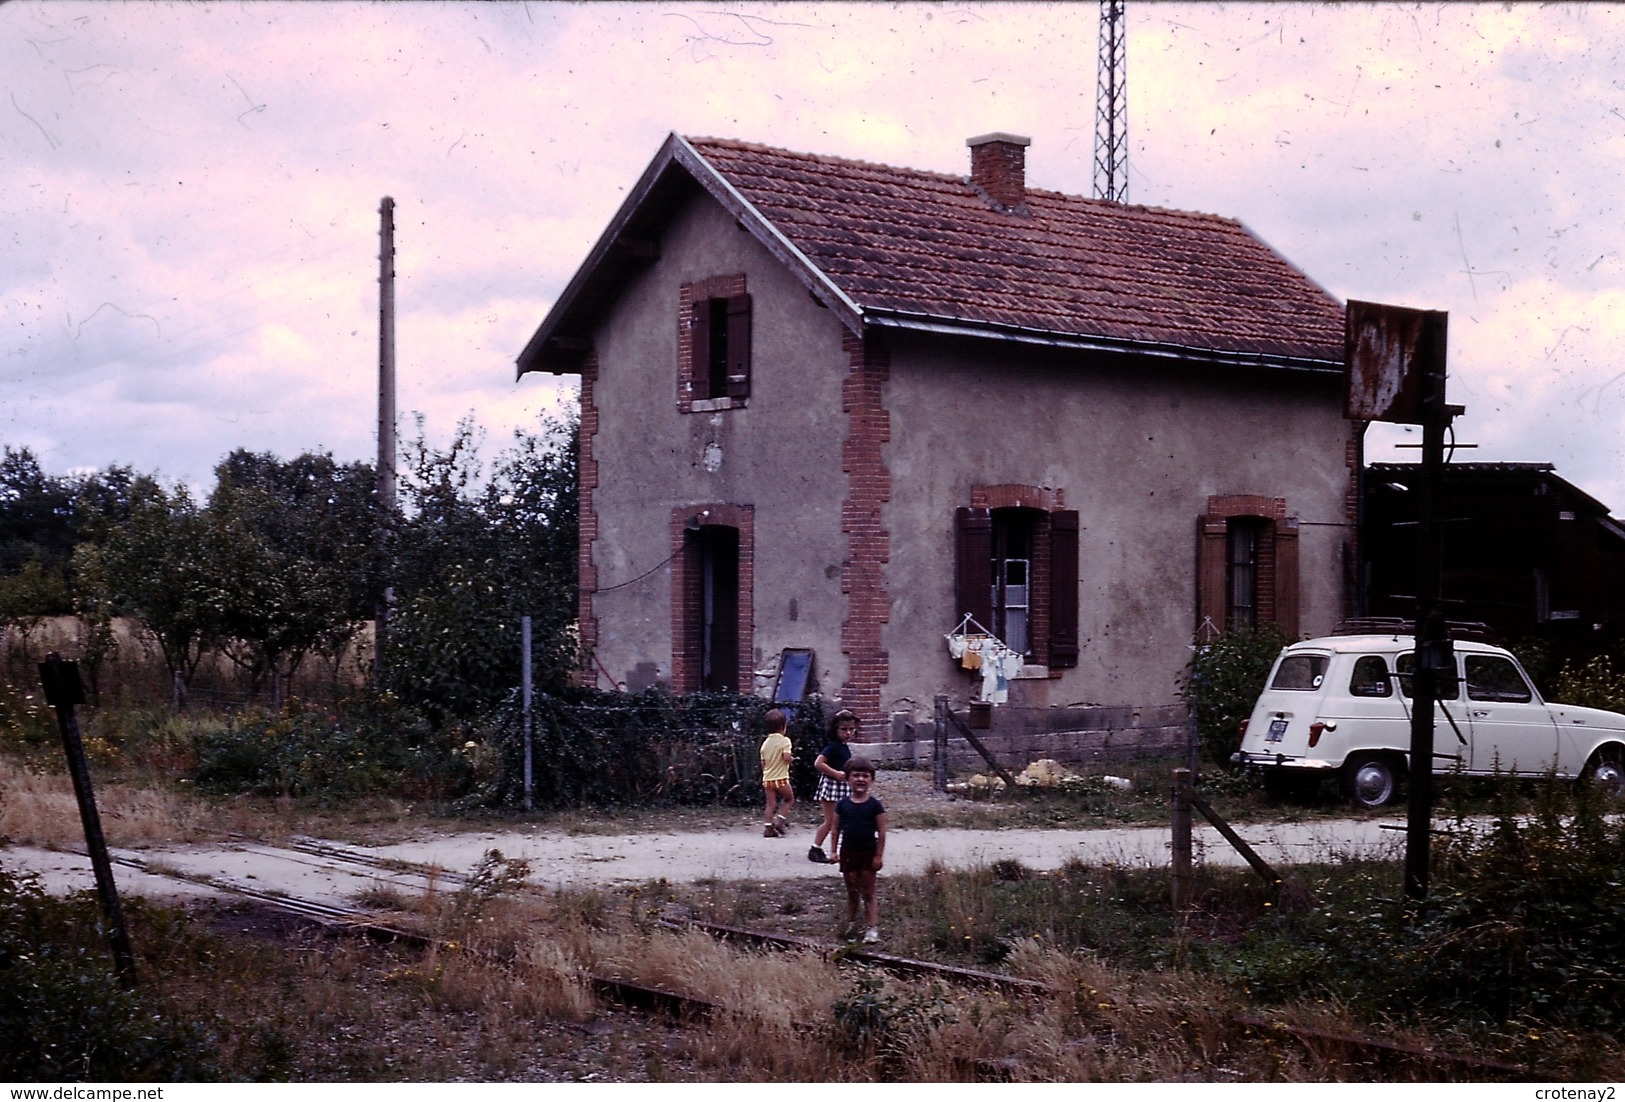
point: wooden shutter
(1063, 589)
(739, 346)
(699, 361)
(1211, 532)
(973, 565)
(1286, 575)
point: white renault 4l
(1340, 706)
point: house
(1524, 551)
(842, 407)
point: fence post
(939, 745)
(1181, 883)
(525, 694)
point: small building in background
(1526, 553)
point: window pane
(1370, 677)
(1491, 677)
(1405, 665)
(1300, 673)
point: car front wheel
(1606, 770)
(1370, 780)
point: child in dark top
(831, 768)
(863, 847)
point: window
(1370, 677)
(1016, 573)
(1246, 565)
(1449, 688)
(1242, 537)
(1300, 673)
(1491, 677)
(720, 328)
(1012, 561)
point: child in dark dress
(863, 847)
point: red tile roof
(902, 243)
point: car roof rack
(1398, 625)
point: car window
(1300, 673)
(1370, 677)
(1491, 677)
(1405, 665)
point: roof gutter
(926, 323)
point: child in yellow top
(776, 756)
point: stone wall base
(1016, 737)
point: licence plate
(1277, 731)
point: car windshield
(1300, 673)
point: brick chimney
(998, 165)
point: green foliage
(63, 1015)
(887, 1028)
(296, 548)
(156, 567)
(592, 748)
(373, 747)
(1223, 681)
(475, 556)
(1593, 685)
(1521, 925)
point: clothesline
(981, 650)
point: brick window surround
(693, 385)
(1277, 562)
(686, 591)
(1053, 582)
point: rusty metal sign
(1390, 352)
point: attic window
(714, 344)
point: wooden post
(939, 745)
(63, 691)
(1181, 883)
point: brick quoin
(587, 521)
(863, 578)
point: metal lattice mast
(1111, 106)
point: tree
(156, 567)
(475, 555)
(296, 545)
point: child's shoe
(816, 856)
(780, 823)
(770, 831)
(870, 936)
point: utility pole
(386, 421)
(1111, 106)
(1394, 361)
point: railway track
(407, 876)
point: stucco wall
(1136, 450)
(780, 454)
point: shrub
(373, 747)
(1223, 681)
(1593, 685)
(599, 748)
(63, 1016)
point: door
(1512, 730)
(718, 620)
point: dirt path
(559, 859)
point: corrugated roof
(897, 247)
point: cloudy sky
(189, 230)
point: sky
(189, 229)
